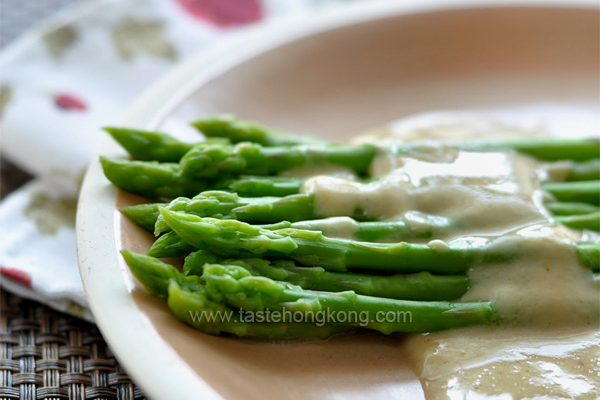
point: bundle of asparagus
(284, 261)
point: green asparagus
(418, 286)
(237, 287)
(215, 161)
(397, 230)
(252, 210)
(149, 178)
(581, 191)
(589, 255)
(150, 146)
(197, 310)
(584, 221)
(144, 215)
(170, 245)
(186, 297)
(389, 231)
(545, 149)
(570, 208)
(261, 186)
(155, 275)
(237, 239)
(228, 126)
(223, 205)
(218, 161)
(231, 238)
(293, 262)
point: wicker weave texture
(48, 355)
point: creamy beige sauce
(335, 171)
(548, 345)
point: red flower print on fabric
(16, 275)
(224, 13)
(66, 101)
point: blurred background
(18, 15)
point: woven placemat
(45, 354)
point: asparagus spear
(367, 231)
(589, 255)
(570, 208)
(300, 207)
(149, 178)
(144, 215)
(418, 286)
(231, 238)
(582, 191)
(218, 161)
(237, 287)
(207, 161)
(428, 227)
(187, 300)
(253, 210)
(584, 221)
(220, 204)
(237, 239)
(155, 274)
(261, 186)
(228, 126)
(170, 245)
(546, 149)
(197, 310)
(153, 146)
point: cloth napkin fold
(64, 80)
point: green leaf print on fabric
(134, 37)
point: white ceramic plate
(334, 75)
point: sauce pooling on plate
(548, 345)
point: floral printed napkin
(64, 80)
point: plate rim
(98, 241)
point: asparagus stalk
(589, 255)
(237, 287)
(253, 210)
(186, 297)
(223, 205)
(170, 245)
(582, 191)
(149, 178)
(584, 221)
(218, 161)
(155, 275)
(198, 311)
(261, 186)
(546, 149)
(233, 238)
(228, 126)
(570, 208)
(153, 146)
(300, 207)
(402, 229)
(418, 286)
(206, 161)
(395, 231)
(144, 215)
